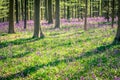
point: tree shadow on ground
(100, 66)
(2, 57)
(32, 69)
(18, 42)
(3, 34)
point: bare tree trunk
(46, 10)
(25, 17)
(68, 11)
(117, 38)
(11, 16)
(36, 18)
(57, 20)
(50, 19)
(22, 10)
(37, 26)
(17, 19)
(64, 9)
(86, 7)
(113, 13)
(108, 11)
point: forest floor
(65, 54)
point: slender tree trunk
(11, 16)
(53, 11)
(25, 15)
(46, 10)
(86, 7)
(90, 9)
(3, 19)
(64, 9)
(75, 10)
(108, 12)
(78, 10)
(17, 19)
(113, 12)
(22, 10)
(57, 20)
(19, 11)
(50, 19)
(68, 11)
(72, 12)
(98, 9)
(117, 38)
(30, 9)
(27, 10)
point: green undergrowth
(64, 54)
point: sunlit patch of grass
(63, 54)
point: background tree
(22, 9)
(86, 7)
(117, 38)
(57, 19)
(113, 12)
(11, 16)
(25, 14)
(46, 10)
(17, 13)
(50, 19)
(68, 10)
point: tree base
(42, 35)
(116, 40)
(11, 32)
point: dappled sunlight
(59, 40)
(66, 56)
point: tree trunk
(25, 15)
(11, 16)
(86, 7)
(108, 11)
(19, 11)
(37, 19)
(117, 38)
(113, 13)
(72, 12)
(75, 10)
(17, 19)
(22, 10)
(30, 9)
(57, 20)
(68, 10)
(46, 10)
(64, 9)
(90, 9)
(50, 19)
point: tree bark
(25, 15)
(64, 9)
(37, 27)
(22, 10)
(50, 19)
(17, 19)
(46, 10)
(11, 16)
(68, 10)
(113, 12)
(57, 20)
(86, 7)
(36, 18)
(117, 38)
(108, 11)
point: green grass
(63, 54)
